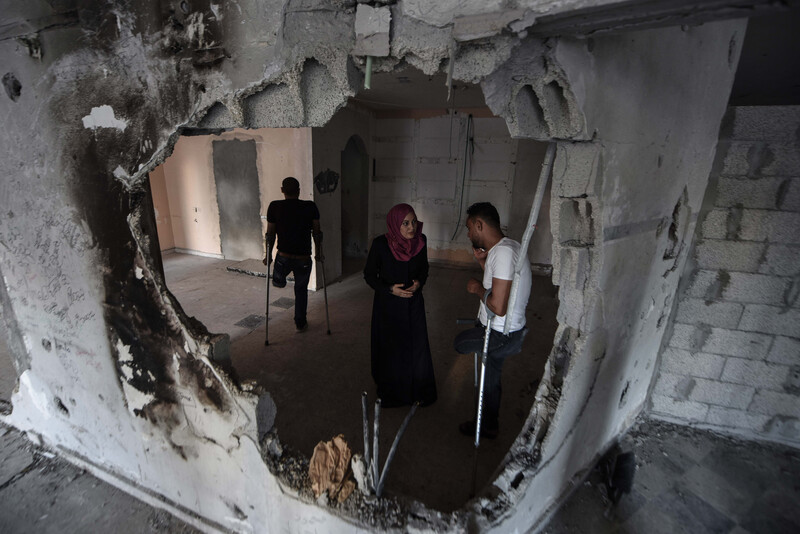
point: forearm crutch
(269, 262)
(481, 382)
(324, 283)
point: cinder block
(785, 350)
(736, 419)
(729, 255)
(702, 280)
(749, 345)
(686, 410)
(753, 194)
(721, 314)
(372, 30)
(758, 374)
(737, 158)
(583, 160)
(686, 336)
(722, 393)
(715, 224)
(790, 200)
(774, 403)
(792, 384)
(780, 160)
(781, 260)
(784, 428)
(766, 123)
(773, 226)
(770, 320)
(755, 288)
(666, 384)
(683, 362)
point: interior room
(146, 361)
(438, 154)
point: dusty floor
(691, 481)
(316, 380)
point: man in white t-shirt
(497, 255)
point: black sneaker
(302, 328)
(468, 429)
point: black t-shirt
(292, 218)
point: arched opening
(436, 154)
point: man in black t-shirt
(294, 221)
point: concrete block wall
(732, 361)
(422, 161)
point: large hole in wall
(402, 141)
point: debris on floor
(329, 469)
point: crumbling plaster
(116, 377)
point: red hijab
(402, 249)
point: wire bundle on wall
(469, 150)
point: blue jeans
(302, 274)
(500, 348)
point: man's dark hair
(290, 186)
(486, 212)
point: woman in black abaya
(397, 268)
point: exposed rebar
(393, 449)
(375, 432)
(365, 417)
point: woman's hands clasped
(407, 293)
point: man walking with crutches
(294, 221)
(497, 255)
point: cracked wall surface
(114, 375)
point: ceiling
(768, 74)
(413, 89)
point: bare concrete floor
(690, 481)
(316, 380)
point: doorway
(355, 200)
(236, 178)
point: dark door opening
(236, 178)
(355, 200)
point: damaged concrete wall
(158, 187)
(732, 362)
(113, 374)
(622, 212)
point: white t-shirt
(500, 263)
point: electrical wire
(469, 150)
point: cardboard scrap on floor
(329, 469)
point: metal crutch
(523, 257)
(324, 284)
(478, 419)
(269, 262)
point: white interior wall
(421, 161)
(190, 194)
(327, 146)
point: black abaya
(401, 356)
